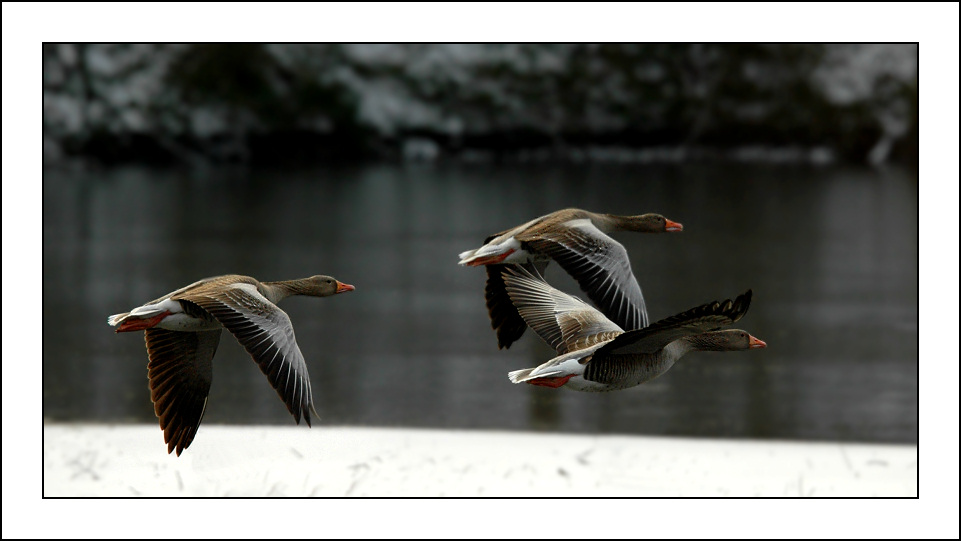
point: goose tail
(520, 376)
(117, 319)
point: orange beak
(342, 287)
(757, 343)
(672, 226)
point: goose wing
(704, 318)
(601, 267)
(267, 334)
(179, 372)
(506, 322)
(563, 321)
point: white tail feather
(141, 312)
(520, 376)
(488, 250)
(149, 310)
(517, 376)
(146, 311)
(117, 319)
(483, 251)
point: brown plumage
(594, 354)
(577, 240)
(182, 330)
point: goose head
(649, 223)
(726, 340)
(323, 286)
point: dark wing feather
(267, 334)
(565, 322)
(602, 269)
(179, 372)
(506, 322)
(704, 318)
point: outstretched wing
(563, 321)
(266, 333)
(506, 322)
(704, 318)
(601, 267)
(179, 372)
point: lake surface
(831, 254)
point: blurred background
(792, 167)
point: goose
(595, 354)
(182, 330)
(577, 240)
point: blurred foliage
(246, 79)
(261, 103)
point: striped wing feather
(704, 318)
(602, 269)
(505, 320)
(565, 322)
(179, 373)
(267, 334)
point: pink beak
(672, 226)
(757, 343)
(342, 287)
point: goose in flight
(595, 354)
(577, 240)
(182, 330)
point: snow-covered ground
(132, 460)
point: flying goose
(182, 330)
(577, 239)
(595, 354)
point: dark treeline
(268, 104)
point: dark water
(832, 256)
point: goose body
(182, 330)
(595, 354)
(578, 241)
